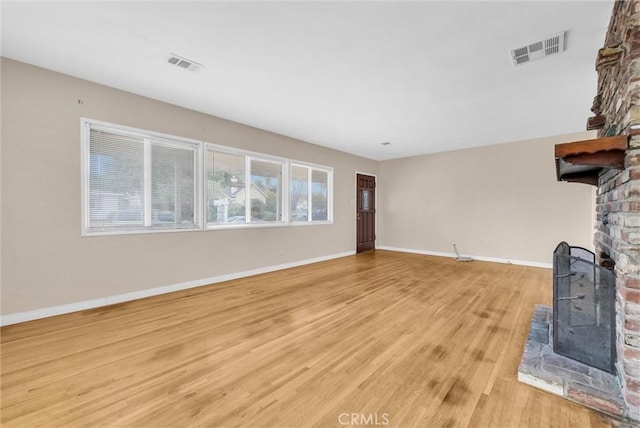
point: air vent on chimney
(551, 45)
(182, 62)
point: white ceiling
(425, 76)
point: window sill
(310, 223)
(205, 229)
(136, 231)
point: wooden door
(365, 213)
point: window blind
(136, 182)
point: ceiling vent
(549, 46)
(182, 62)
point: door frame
(375, 206)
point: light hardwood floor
(414, 340)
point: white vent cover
(182, 62)
(551, 45)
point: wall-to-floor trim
(479, 258)
(134, 295)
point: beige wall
(45, 260)
(500, 201)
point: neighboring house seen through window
(243, 188)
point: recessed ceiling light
(183, 62)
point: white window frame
(248, 157)
(148, 137)
(201, 149)
(310, 168)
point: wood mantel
(582, 161)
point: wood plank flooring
(411, 340)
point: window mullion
(330, 195)
(285, 192)
(280, 196)
(309, 198)
(147, 184)
(201, 184)
(247, 192)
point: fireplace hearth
(571, 348)
(583, 308)
(545, 369)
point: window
(299, 193)
(266, 190)
(310, 193)
(138, 182)
(243, 188)
(226, 178)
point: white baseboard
(479, 258)
(134, 295)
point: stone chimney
(617, 234)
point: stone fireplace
(617, 235)
(612, 163)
